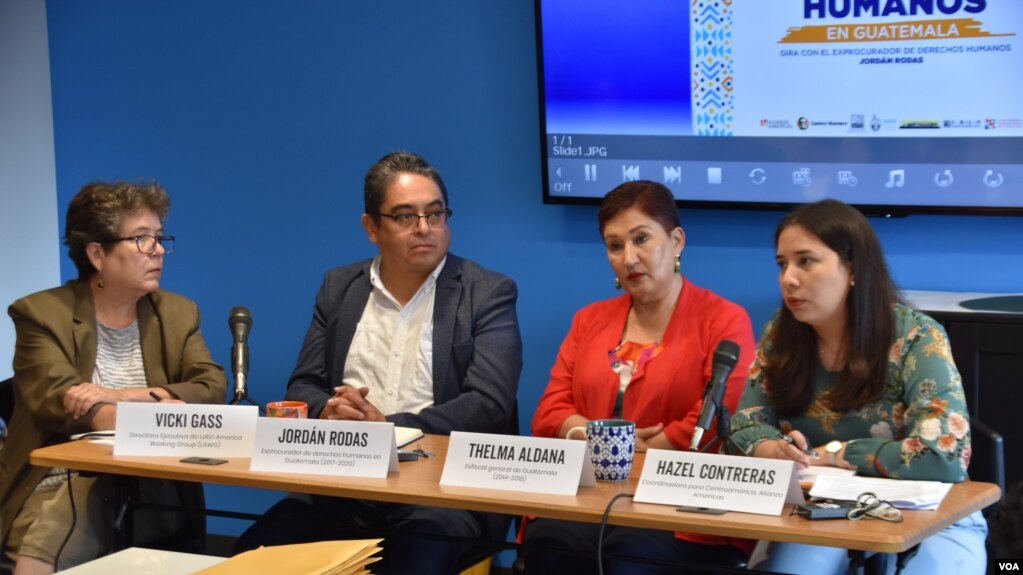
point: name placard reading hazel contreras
(193, 429)
(515, 463)
(325, 447)
(710, 481)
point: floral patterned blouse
(628, 360)
(919, 429)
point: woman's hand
(572, 422)
(83, 397)
(823, 459)
(652, 438)
(793, 449)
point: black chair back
(7, 399)
(987, 463)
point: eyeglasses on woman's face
(147, 243)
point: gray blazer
(477, 348)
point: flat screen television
(895, 106)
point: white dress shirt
(392, 350)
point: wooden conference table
(419, 483)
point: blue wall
(261, 118)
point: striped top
(118, 366)
(119, 357)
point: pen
(811, 452)
(154, 395)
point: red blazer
(669, 388)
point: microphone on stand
(725, 357)
(240, 322)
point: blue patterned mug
(611, 444)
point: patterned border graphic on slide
(712, 67)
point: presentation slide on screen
(937, 68)
(876, 102)
(784, 68)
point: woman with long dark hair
(870, 384)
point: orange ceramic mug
(292, 409)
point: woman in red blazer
(644, 356)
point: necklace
(823, 356)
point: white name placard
(709, 481)
(515, 463)
(193, 429)
(325, 447)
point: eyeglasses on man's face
(147, 243)
(408, 220)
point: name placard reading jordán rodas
(325, 447)
(192, 429)
(706, 480)
(515, 463)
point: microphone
(240, 322)
(725, 357)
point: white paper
(900, 493)
(517, 463)
(91, 434)
(810, 474)
(139, 561)
(405, 435)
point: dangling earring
(101, 285)
(618, 283)
(678, 262)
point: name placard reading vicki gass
(184, 429)
(325, 447)
(515, 463)
(709, 481)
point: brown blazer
(56, 349)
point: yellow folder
(319, 558)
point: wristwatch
(832, 448)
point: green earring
(678, 263)
(618, 283)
